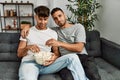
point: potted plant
(24, 24)
(84, 12)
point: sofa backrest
(8, 46)
(93, 45)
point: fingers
(35, 49)
(51, 42)
(48, 62)
(27, 32)
(24, 33)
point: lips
(41, 25)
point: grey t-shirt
(75, 33)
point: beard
(39, 25)
(61, 24)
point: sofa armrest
(110, 52)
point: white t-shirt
(38, 37)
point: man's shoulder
(51, 31)
(78, 25)
(55, 28)
(32, 28)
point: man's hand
(51, 60)
(53, 42)
(34, 48)
(25, 31)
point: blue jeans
(29, 70)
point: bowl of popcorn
(42, 56)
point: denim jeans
(29, 70)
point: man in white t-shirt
(35, 42)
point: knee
(72, 57)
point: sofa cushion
(106, 70)
(49, 77)
(9, 70)
(8, 46)
(93, 43)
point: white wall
(109, 25)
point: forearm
(75, 47)
(56, 52)
(22, 52)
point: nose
(42, 21)
(58, 19)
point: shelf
(15, 14)
(12, 29)
(8, 3)
(25, 16)
(8, 16)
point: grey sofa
(106, 55)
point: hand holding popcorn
(42, 56)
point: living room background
(108, 25)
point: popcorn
(42, 56)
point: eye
(40, 18)
(45, 18)
(55, 18)
(59, 15)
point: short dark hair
(42, 11)
(56, 9)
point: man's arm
(23, 48)
(56, 51)
(25, 31)
(75, 47)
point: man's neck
(66, 25)
(39, 28)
